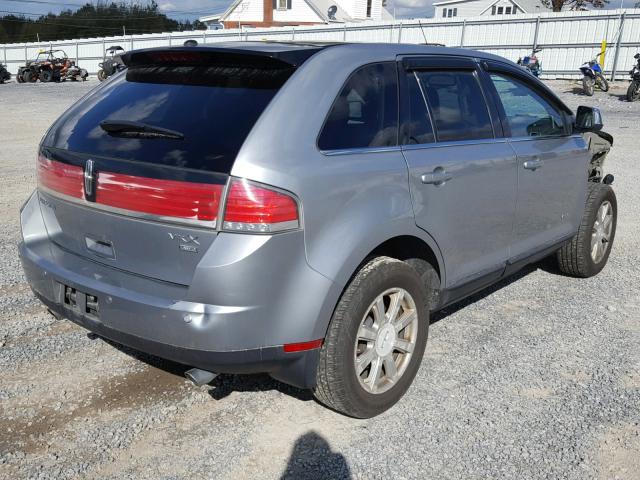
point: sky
(192, 9)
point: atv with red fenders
(51, 66)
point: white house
(269, 13)
(477, 8)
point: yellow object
(603, 49)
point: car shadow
(312, 458)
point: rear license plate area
(79, 302)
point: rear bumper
(172, 321)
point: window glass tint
(416, 128)
(457, 105)
(215, 115)
(529, 114)
(365, 114)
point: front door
(462, 178)
(552, 165)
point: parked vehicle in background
(633, 92)
(422, 175)
(531, 63)
(51, 66)
(593, 77)
(113, 64)
(4, 74)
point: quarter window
(365, 114)
(528, 114)
(457, 105)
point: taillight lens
(256, 208)
(165, 198)
(60, 177)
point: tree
(558, 5)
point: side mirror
(588, 119)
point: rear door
(552, 163)
(132, 175)
(462, 171)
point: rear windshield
(213, 108)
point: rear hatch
(132, 176)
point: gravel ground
(538, 377)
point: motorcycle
(633, 92)
(593, 77)
(531, 63)
(113, 64)
(4, 74)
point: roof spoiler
(210, 56)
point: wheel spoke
(364, 359)
(390, 368)
(378, 311)
(394, 306)
(367, 333)
(608, 221)
(406, 318)
(374, 374)
(594, 251)
(403, 345)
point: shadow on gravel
(312, 458)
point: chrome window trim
(360, 150)
(482, 141)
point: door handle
(533, 164)
(437, 177)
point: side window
(416, 127)
(365, 114)
(457, 105)
(528, 114)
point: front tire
(633, 92)
(375, 341)
(588, 86)
(102, 75)
(602, 82)
(588, 251)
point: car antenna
(423, 35)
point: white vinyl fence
(567, 39)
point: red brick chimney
(267, 12)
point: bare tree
(558, 5)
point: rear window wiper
(127, 129)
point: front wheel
(588, 85)
(633, 92)
(102, 75)
(375, 341)
(29, 77)
(588, 251)
(602, 82)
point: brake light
(60, 177)
(165, 198)
(253, 208)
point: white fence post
(535, 34)
(615, 57)
(464, 24)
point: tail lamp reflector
(60, 177)
(302, 346)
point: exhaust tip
(200, 377)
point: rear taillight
(249, 207)
(60, 177)
(255, 208)
(164, 198)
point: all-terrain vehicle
(4, 74)
(113, 64)
(51, 66)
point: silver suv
(299, 209)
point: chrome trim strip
(483, 141)
(545, 137)
(130, 213)
(355, 151)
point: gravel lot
(538, 377)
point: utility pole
(38, 35)
(124, 31)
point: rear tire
(102, 75)
(588, 251)
(365, 326)
(46, 76)
(588, 86)
(633, 92)
(602, 82)
(29, 77)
